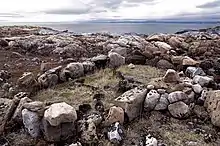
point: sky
(85, 10)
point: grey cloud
(67, 11)
(12, 15)
(214, 4)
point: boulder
(7, 107)
(175, 42)
(132, 102)
(187, 61)
(3, 43)
(193, 71)
(100, 61)
(120, 50)
(17, 116)
(60, 113)
(200, 112)
(171, 76)
(32, 122)
(177, 60)
(89, 67)
(179, 110)
(177, 96)
(162, 45)
(156, 37)
(115, 133)
(202, 80)
(163, 102)
(27, 79)
(72, 70)
(164, 64)
(197, 88)
(116, 60)
(116, 114)
(36, 106)
(48, 80)
(151, 100)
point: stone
(57, 133)
(60, 113)
(94, 117)
(131, 66)
(115, 133)
(171, 76)
(48, 80)
(156, 37)
(120, 50)
(89, 67)
(132, 101)
(202, 80)
(197, 88)
(163, 102)
(45, 66)
(55, 70)
(76, 144)
(150, 141)
(36, 106)
(73, 71)
(31, 122)
(151, 100)
(200, 112)
(177, 60)
(212, 100)
(179, 110)
(187, 61)
(164, 64)
(161, 91)
(175, 42)
(17, 116)
(116, 114)
(100, 61)
(203, 96)
(116, 60)
(20, 95)
(87, 132)
(3, 43)
(27, 79)
(193, 71)
(4, 75)
(177, 96)
(150, 87)
(163, 45)
(7, 107)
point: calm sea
(121, 28)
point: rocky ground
(58, 88)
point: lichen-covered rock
(116, 60)
(171, 76)
(177, 96)
(151, 100)
(179, 110)
(116, 114)
(132, 101)
(32, 122)
(60, 113)
(72, 70)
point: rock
(60, 113)
(175, 42)
(31, 122)
(136, 57)
(95, 117)
(164, 64)
(48, 80)
(151, 100)
(89, 67)
(73, 71)
(200, 112)
(202, 80)
(150, 141)
(156, 37)
(87, 132)
(162, 103)
(197, 88)
(171, 76)
(115, 133)
(150, 87)
(5, 75)
(36, 106)
(20, 95)
(116, 114)
(100, 61)
(193, 71)
(163, 45)
(16, 55)
(76, 144)
(131, 66)
(179, 110)
(177, 60)
(3, 43)
(202, 98)
(131, 101)
(58, 133)
(27, 79)
(116, 60)
(55, 70)
(177, 96)
(18, 112)
(161, 91)
(187, 61)
(120, 50)
(7, 107)
(45, 66)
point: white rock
(202, 80)
(131, 66)
(150, 141)
(115, 133)
(150, 87)
(163, 45)
(177, 96)
(132, 101)
(60, 113)
(162, 103)
(197, 88)
(76, 144)
(31, 122)
(151, 100)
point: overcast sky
(79, 10)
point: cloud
(213, 4)
(11, 15)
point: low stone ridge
(60, 88)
